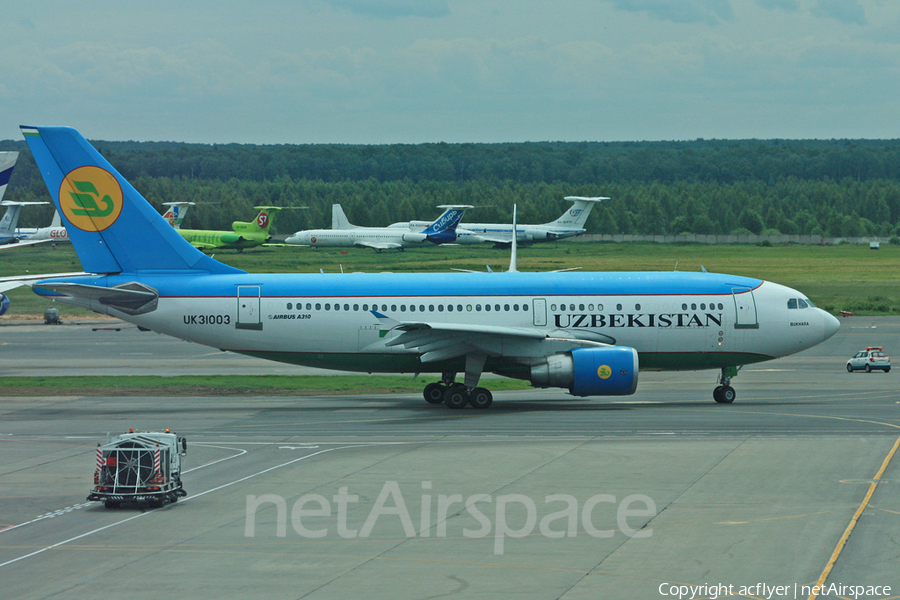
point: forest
(819, 187)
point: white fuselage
(348, 238)
(327, 320)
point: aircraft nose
(830, 326)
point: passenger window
(290, 306)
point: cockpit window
(809, 302)
(799, 303)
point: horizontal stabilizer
(130, 298)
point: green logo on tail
(85, 200)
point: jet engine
(610, 371)
(414, 237)
(531, 236)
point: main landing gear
(456, 395)
(724, 393)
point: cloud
(394, 9)
(684, 11)
(845, 11)
(785, 5)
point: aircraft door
(539, 312)
(745, 309)
(248, 313)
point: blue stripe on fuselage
(439, 284)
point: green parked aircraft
(244, 235)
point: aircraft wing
(25, 242)
(378, 246)
(444, 341)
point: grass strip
(225, 385)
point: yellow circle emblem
(90, 198)
(604, 372)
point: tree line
(819, 187)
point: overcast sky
(411, 71)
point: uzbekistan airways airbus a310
(582, 331)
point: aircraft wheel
(434, 393)
(724, 394)
(456, 396)
(481, 398)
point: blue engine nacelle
(4, 304)
(611, 371)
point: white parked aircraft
(54, 233)
(569, 224)
(582, 331)
(10, 237)
(345, 235)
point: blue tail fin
(443, 229)
(113, 228)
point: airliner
(55, 233)
(587, 332)
(242, 236)
(345, 235)
(9, 234)
(569, 224)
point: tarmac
(664, 494)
